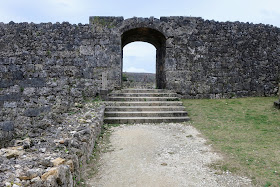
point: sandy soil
(159, 155)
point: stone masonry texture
(45, 68)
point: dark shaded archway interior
(155, 38)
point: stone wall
(45, 68)
(208, 59)
(57, 153)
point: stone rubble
(54, 157)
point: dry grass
(246, 131)
(102, 145)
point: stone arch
(157, 39)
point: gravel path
(159, 155)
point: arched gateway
(155, 38)
(121, 32)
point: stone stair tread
(140, 102)
(143, 97)
(142, 90)
(131, 120)
(141, 112)
(144, 103)
(145, 93)
(185, 117)
(145, 107)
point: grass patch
(246, 131)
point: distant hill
(139, 80)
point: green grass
(246, 131)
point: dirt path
(158, 155)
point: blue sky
(78, 11)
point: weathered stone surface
(18, 75)
(277, 103)
(29, 91)
(12, 152)
(70, 163)
(9, 104)
(6, 83)
(33, 112)
(51, 172)
(10, 97)
(7, 126)
(33, 82)
(30, 174)
(53, 157)
(26, 143)
(58, 161)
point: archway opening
(158, 40)
(139, 65)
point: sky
(137, 54)
(135, 61)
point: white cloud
(239, 10)
(78, 11)
(139, 57)
(74, 11)
(139, 49)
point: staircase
(144, 106)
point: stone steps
(143, 95)
(143, 98)
(130, 120)
(146, 114)
(142, 91)
(144, 106)
(144, 103)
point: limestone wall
(45, 68)
(208, 59)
